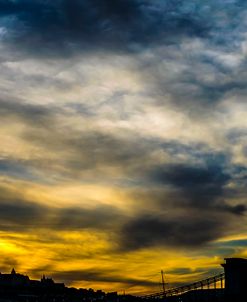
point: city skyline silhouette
(123, 140)
(224, 287)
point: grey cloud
(67, 25)
(191, 79)
(101, 217)
(190, 232)
(73, 151)
(76, 152)
(187, 208)
(34, 115)
(187, 175)
(29, 216)
(173, 219)
(179, 271)
(199, 184)
(15, 168)
(82, 151)
(203, 186)
(16, 211)
(180, 77)
(236, 134)
(238, 209)
(20, 214)
(97, 275)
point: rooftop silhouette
(18, 287)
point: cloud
(180, 271)
(6, 263)
(201, 223)
(15, 168)
(34, 115)
(199, 184)
(124, 124)
(195, 186)
(202, 183)
(188, 210)
(63, 26)
(16, 211)
(98, 275)
(22, 215)
(190, 232)
(100, 218)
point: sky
(123, 131)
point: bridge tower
(163, 283)
(235, 279)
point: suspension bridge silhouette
(201, 284)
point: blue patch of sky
(16, 169)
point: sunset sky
(123, 140)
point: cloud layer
(123, 133)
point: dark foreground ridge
(16, 287)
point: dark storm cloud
(179, 227)
(116, 24)
(97, 275)
(203, 185)
(198, 183)
(186, 176)
(110, 24)
(194, 231)
(192, 215)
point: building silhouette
(15, 287)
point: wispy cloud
(123, 123)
